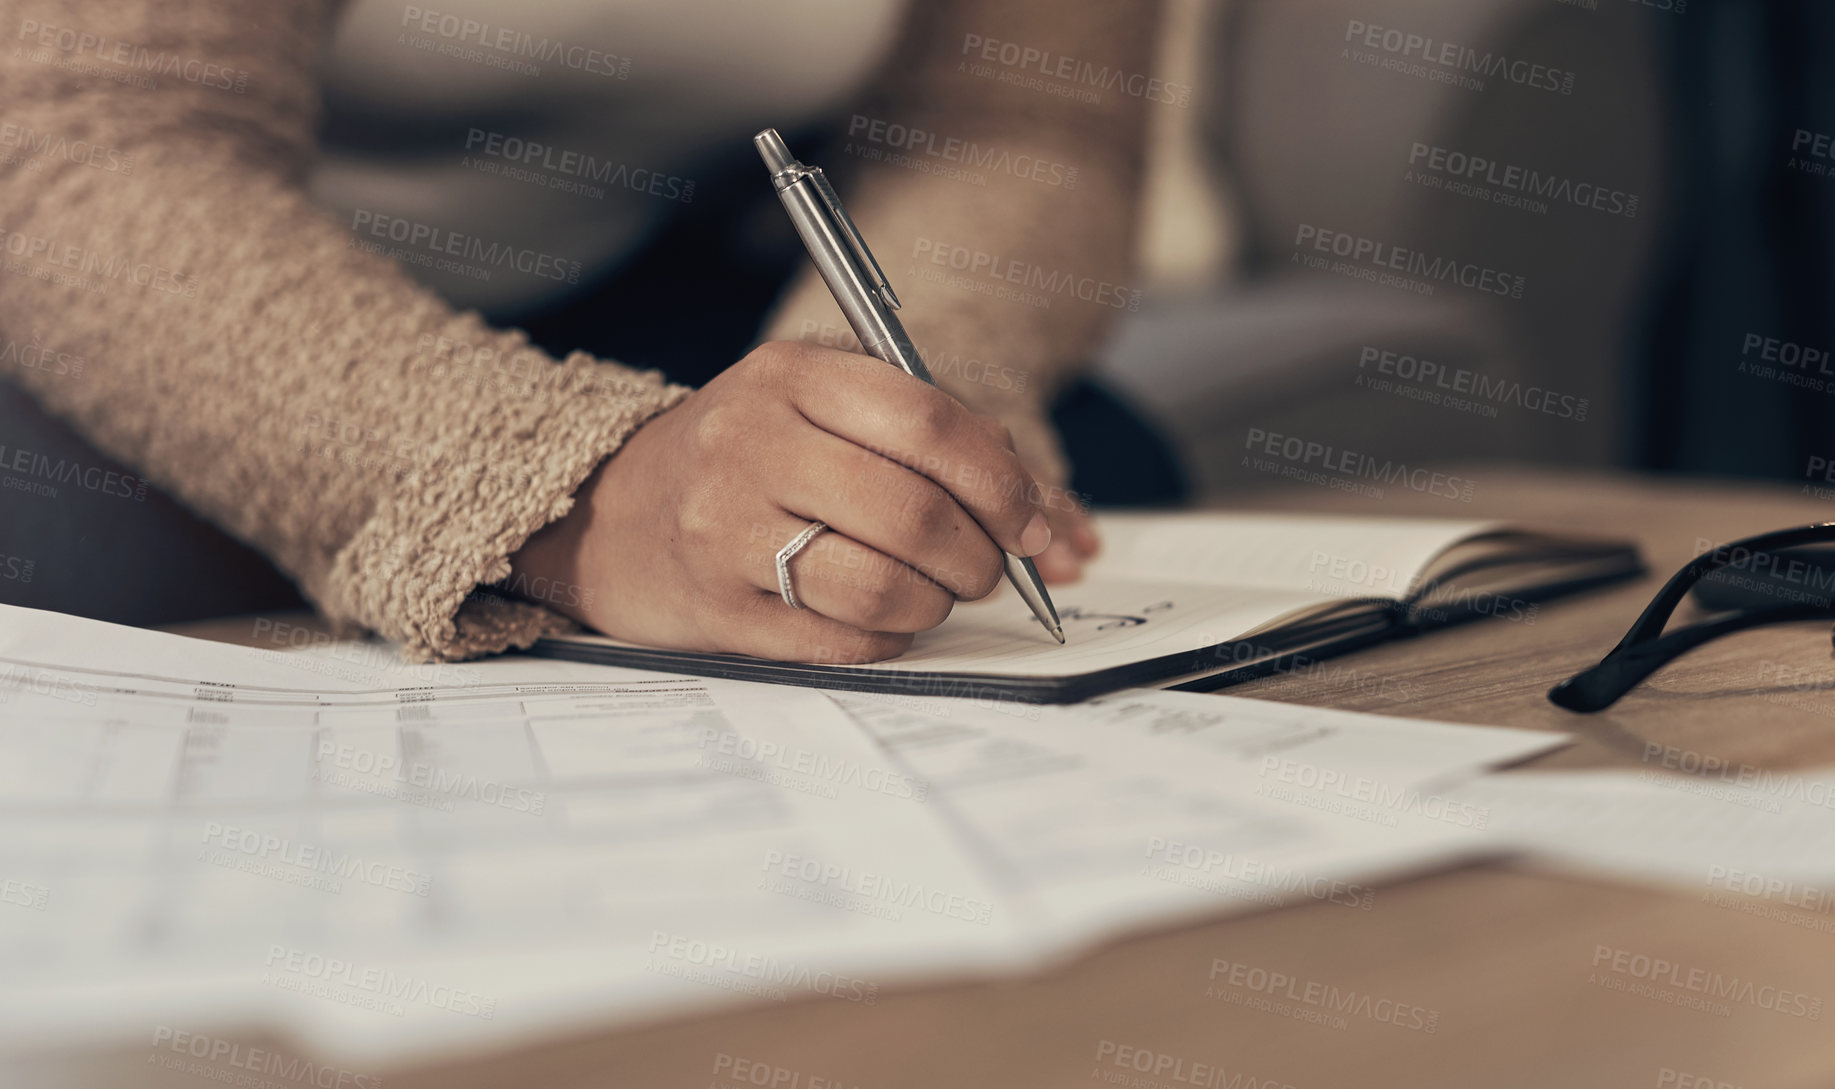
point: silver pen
(860, 287)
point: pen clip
(845, 224)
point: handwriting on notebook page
(1106, 621)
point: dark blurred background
(1654, 176)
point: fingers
(922, 497)
(839, 578)
(893, 511)
(1073, 541)
(881, 408)
(1083, 536)
(765, 627)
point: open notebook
(1198, 600)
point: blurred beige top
(630, 94)
(637, 93)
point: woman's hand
(672, 541)
(1073, 536)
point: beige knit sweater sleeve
(246, 353)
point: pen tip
(1059, 633)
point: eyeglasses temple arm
(1649, 623)
(1599, 687)
(1644, 649)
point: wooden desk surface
(1503, 952)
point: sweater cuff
(416, 571)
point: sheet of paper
(1756, 833)
(1108, 821)
(1288, 744)
(388, 859)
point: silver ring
(788, 553)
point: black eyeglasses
(1645, 649)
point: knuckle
(717, 428)
(878, 603)
(995, 479)
(926, 517)
(774, 357)
(981, 576)
(934, 417)
(934, 607)
(941, 574)
(702, 515)
(996, 432)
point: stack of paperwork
(384, 862)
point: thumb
(1073, 535)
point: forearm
(243, 352)
(1007, 227)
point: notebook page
(1342, 557)
(1108, 621)
(1176, 584)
